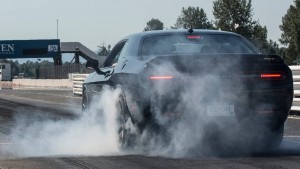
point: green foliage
(193, 17)
(103, 50)
(154, 24)
(234, 16)
(291, 32)
(28, 68)
(14, 67)
(259, 38)
(44, 64)
(260, 33)
(271, 47)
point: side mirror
(94, 65)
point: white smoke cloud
(92, 133)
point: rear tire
(275, 138)
(269, 141)
(125, 129)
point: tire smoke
(91, 133)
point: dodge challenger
(207, 78)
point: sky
(94, 22)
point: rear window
(195, 44)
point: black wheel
(268, 141)
(126, 135)
(275, 138)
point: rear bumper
(268, 108)
(257, 105)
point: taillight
(194, 37)
(161, 77)
(272, 76)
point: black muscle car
(209, 79)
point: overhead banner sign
(29, 48)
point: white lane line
(56, 95)
(6, 143)
(292, 136)
(294, 117)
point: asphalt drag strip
(49, 106)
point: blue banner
(48, 48)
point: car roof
(136, 38)
(178, 31)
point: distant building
(5, 72)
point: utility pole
(57, 28)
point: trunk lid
(250, 69)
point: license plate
(220, 110)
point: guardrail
(78, 80)
(296, 79)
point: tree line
(29, 68)
(237, 16)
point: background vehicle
(210, 82)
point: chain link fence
(61, 72)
